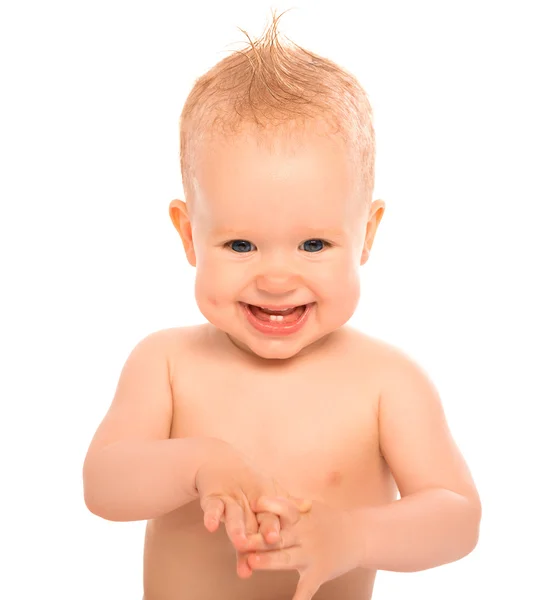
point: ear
(179, 214)
(375, 215)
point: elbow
(95, 496)
(474, 524)
(91, 488)
(94, 502)
(101, 501)
(95, 508)
(103, 509)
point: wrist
(357, 537)
(214, 450)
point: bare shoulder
(372, 350)
(180, 338)
(142, 404)
(369, 359)
(390, 357)
(182, 344)
(387, 366)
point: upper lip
(276, 307)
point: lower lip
(276, 327)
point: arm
(132, 470)
(136, 480)
(435, 522)
(437, 519)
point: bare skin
(311, 424)
(321, 410)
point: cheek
(215, 281)
(342, 287)
(207, 289)
(341, 278)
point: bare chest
(314, 429)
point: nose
(275, 277)
(276, 283)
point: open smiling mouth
(275, 321)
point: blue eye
(314, 245)
(240, 246)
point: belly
(183, 561)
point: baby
(275, 417)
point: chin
(275, 350)
(279, 348)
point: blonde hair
(268, 90)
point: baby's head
(277, 155)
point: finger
(269, 526)
(250, 519)
(236, 531)
(282, 507)
(276, 560)
(307, 587)
(242, 566)
(287, 539)
(303, 504)
(234, 521)
(251, 528)
(213, 509)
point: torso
(312, 425)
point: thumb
(213, 509)
(307, 587)
(302, 504)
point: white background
(461, 277)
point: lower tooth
(276, 317)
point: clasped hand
(320, 544)
(318, 541)
(271, 530)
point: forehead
(303, 179)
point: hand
(321, 544)
(229, 486)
